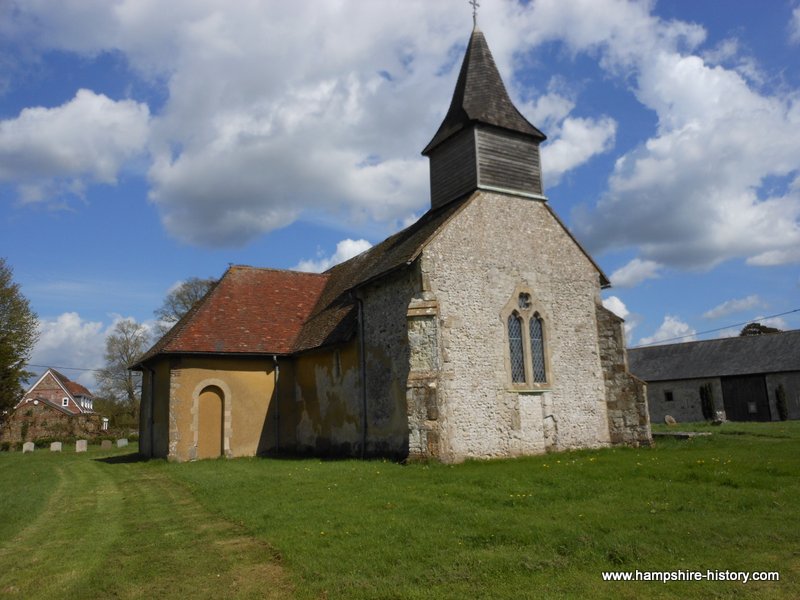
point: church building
(476, 332)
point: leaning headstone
(669, 420)
(81, 445)
(28, 447)
(55, 447)
(105, 445)
(121, 443)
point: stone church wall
(387, 365)
(472, 268)
(628, 415)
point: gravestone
(55, 447)
(669, 420)
(121, 443)
(81, 445)
(28, 447)
(105, 445)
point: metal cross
(475, 5)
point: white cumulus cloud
(733, 306)
(635, 272)
(684, 198)
(61, 149)
(794, 26)
(278, 110)
(672, 329)
(344, 250)
(616, 306)
(71, 342)
(578, 140)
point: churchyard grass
(537, 527)
(97, 525)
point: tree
(128, 342)
(19, 330)
(757, 328)
(180, 300)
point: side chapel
(476, 332)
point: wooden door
(745, 398)
(209, 423)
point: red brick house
(53, 407)
(57, 389)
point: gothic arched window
(527, 342)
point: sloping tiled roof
(748, 355)
(334, 317)
(271, 311)
(73, 387)
(480, 96)
(48, 403)
(248, 311)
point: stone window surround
(65, 402)
(526, 314)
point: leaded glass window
(515, 347)
(537, 349)
(527, 359)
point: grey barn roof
(749, 355)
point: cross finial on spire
(475, 5)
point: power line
(680, 337)
(62, 368)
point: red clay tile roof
(74, 388)
(271, 311)
(335, 317)
(248, 311)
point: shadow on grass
(289, 456)
(133, 457)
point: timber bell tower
(484, 142)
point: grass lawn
(539, 527)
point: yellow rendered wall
(161, 409)
(249, 415)
(328, 404)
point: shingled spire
(484, 141)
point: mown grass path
(537, 527)
(95, 529)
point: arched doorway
(210, 422)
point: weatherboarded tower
(484, 142)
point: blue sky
(142, 143)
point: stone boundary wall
(32, 421)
